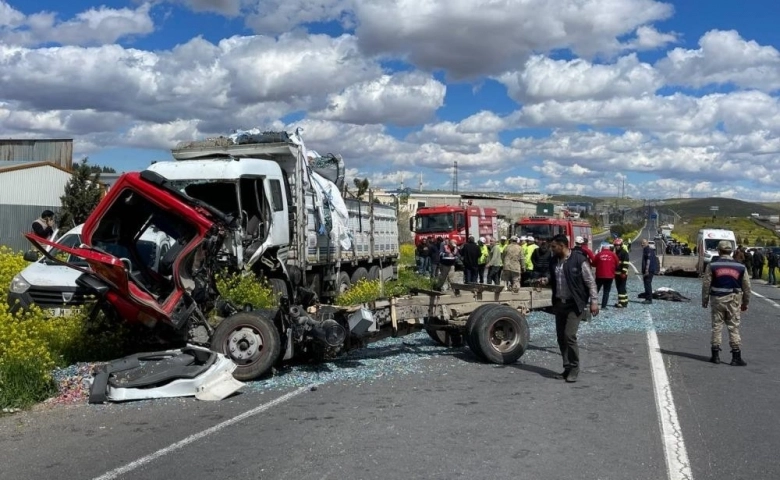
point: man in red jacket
(606, 264)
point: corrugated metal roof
(56, 151)
(18, 163)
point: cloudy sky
(671, 99)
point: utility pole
(455, 177)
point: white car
(53, 287)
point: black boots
(715, 358)
(736, 358)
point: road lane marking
(677, 465)
(772, 302)
(197, 436)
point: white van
(53, 287)
(707, 245)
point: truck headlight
(19, 284)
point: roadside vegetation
(747, 231)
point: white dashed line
(771, 302)
(677, 465)
(197, 436)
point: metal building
(58, 151)
(26, 189)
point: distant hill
(576, 198)
(727, 207)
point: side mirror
(30, 256)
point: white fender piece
(187, 372)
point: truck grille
(58, 296)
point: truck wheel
(373, 272)
(249, 339)
(343, 283)
(444, 338)
(481, 311)
(278, 288)
(359, 274)
(501, 334)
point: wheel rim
(504, 336)
(244, 345)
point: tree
(99, 169)
(82, 194)
(361, 185)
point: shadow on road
(544, 372)
(692, 356)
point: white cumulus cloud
(723, 57)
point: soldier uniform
(726, 285)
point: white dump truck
(316, 237)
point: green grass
(21, 385)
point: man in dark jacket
(44, 226)
(771, 264)
(758, 264)
(541, 258)
(574, 295)
(650, 267)
(470, 253)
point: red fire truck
(544, 228)
(454, 222)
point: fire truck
(454, 223)
(544, 228)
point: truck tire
(444, 338)
(278, 288)
(501, 334)
(251, 341)
(343, 283)
(359, 274)
(373, 272)
(473, 319)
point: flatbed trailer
(489, 319)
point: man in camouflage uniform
(726, 284)
(514, 264)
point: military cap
(724, 246)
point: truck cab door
(275, 209)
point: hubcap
(244, 345)
(504, 337)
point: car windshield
(434, 222)
(146, 250)
(70, 240)
(712, 243)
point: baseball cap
(482, 239)
(503, 237)
(513, 238)
(579, 240)
(724, 246)
(530, 238)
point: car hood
(39, 274)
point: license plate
(62, 312)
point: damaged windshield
(219, 194)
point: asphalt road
(407, 409)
